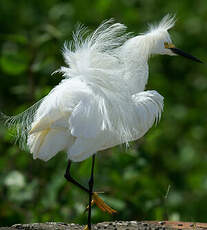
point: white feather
(46, 144)
(101, 102)
(165, 24)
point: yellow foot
(101, 204)
(86, 227)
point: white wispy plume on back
(95, 56)
(20, 124)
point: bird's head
(160, 42)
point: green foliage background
(171, 157)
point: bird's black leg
(69, 178)
(91, 182)
(92, 195)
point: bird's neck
(135, 57)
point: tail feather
(47, 143)
(20, 125)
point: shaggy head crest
(167, 22)
(157, 35)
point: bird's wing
(149, 106)
(47, 143)
(127, 122)
(40, 117)
(86, 119)
(64, 114)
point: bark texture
(117, 225)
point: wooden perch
(117, 225)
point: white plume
(20, 124)
(167, 22)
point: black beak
(182, 53)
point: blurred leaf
(13, 64)
(15, 179)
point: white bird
(101, 102)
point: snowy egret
(101, 102)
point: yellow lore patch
(169, 45)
